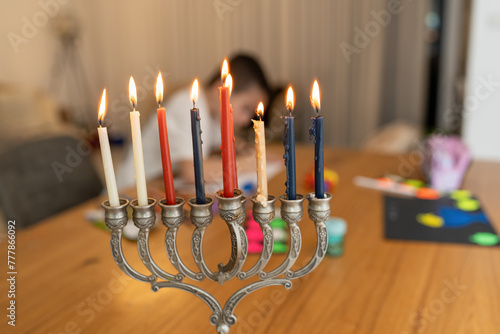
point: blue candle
(289, 144)
(199, 179)
(316, 132)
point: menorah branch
(144, 218)
(263, 215)
(214, 305)
(228, 315)
(291, 213)
(319, 212)
(172, 217)
(116, 219)
(201, 217)
(232, 211)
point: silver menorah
(232, 211)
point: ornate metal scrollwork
(233, 212)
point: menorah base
(232, 212)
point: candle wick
(317, 111)
(194, 105)
(260, 117)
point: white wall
(30, 50)
(481, 127)
(27, 63)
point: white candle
(135, 124)
(260, 149)
(107, 160)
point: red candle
(235, 167)
(227, 134)
(168, 177)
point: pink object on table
(254, 235)
(254, 248)
(251, 224)
(446, 161)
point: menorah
(232, 211)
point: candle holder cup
(232, 211)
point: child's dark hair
(246, 72)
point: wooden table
(68, 283)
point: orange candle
(227, 134)
(168, 178)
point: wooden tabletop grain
(67, 281)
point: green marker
(484, 239)
(280, 235)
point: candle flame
(315, 100)
(194, 91)
(159, 89)
(260, 110)
(132, 92)
(229, 83)
(224, 71)
(102, 108)
(290, 99)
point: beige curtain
(297, 41)
(405, 66)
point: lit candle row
(135, 124)
(315, 131)
(230, 181)
(140, 174)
